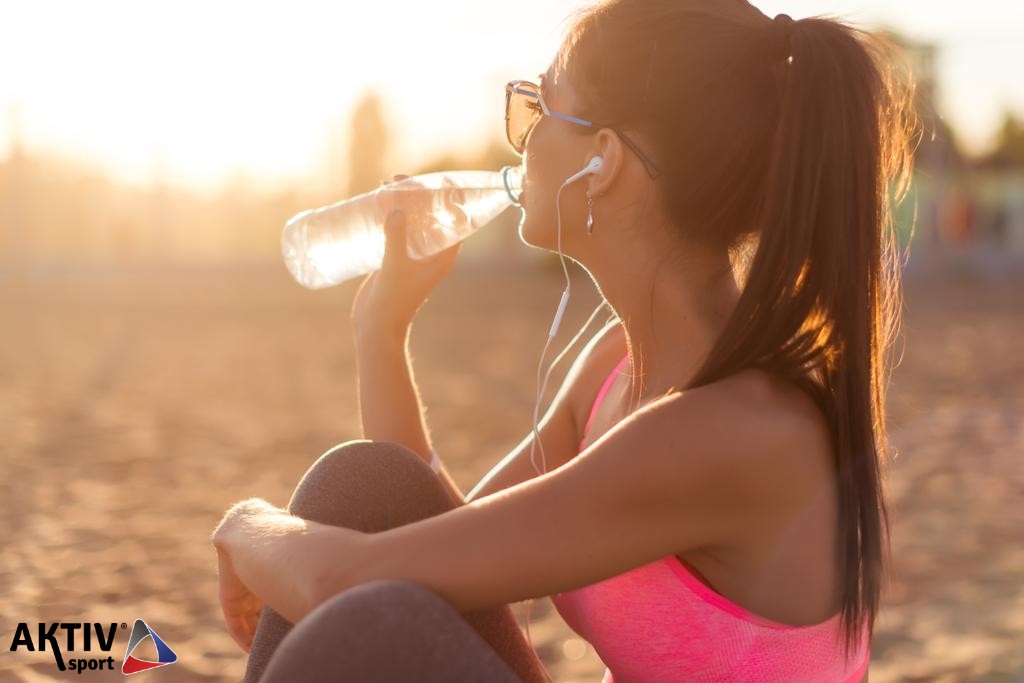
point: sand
(138, 405)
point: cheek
(541, 180)
(537, 157)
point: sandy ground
(135, 407)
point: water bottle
(326, 246)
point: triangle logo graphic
(133, 665)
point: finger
(250, 627)
(394, 236)
(250, 634)
(234, 620)
(253, 619)
(237, 630)
(246, 633)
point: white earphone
(593, 166)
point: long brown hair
(787, 145)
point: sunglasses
(524, 107)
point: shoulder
(762, 407)
(740, 455)
(606, 347)
(751, 436)
(592, 366)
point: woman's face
(554, 152)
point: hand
(389, 298)
(240, 606)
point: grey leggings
(384, 630)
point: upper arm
(675, 475)
(559, 428)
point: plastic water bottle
(326, 246)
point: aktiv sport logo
(104, 643)
(133, 665)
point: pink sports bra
(660, 622)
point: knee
(388, 602)
(363, 455)
(369, 485)
(404, 610)
(385, 629)
(365, 461)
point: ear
(608, 145)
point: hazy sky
(207, 89)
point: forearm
(389, 405)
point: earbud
(592, 167)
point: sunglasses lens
(522, 113)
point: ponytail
(822, 292)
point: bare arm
(389, 404)
(613, 510)
(559, 429)
(391, 411)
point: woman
(720, 514)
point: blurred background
(158, 362)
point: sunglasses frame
(513, 87)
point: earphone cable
(542, 386)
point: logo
(133, 665)
(87, 634)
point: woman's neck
(672, 315)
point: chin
(532, 235)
